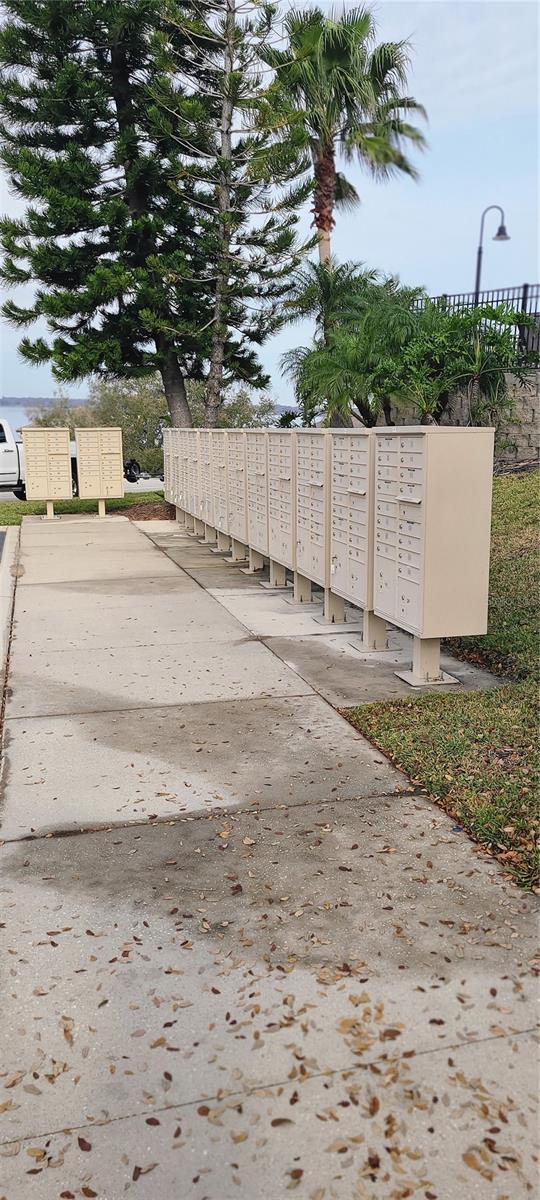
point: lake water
(14, 414)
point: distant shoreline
(30, 401)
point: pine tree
(113, 243)
(246, 186)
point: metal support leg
(426, 664)
(198, 526)
(238, 552)
(180, 517)
(209, 535)
(301, 589)
(223, 541)
(50, 511)
(278, 575)
(334, 608)
(190, 523)
(101, 508)
(373, 631)
(256, 561)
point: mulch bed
(157, 510)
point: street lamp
(500, 236)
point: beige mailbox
(193, 483)
(281, 505)
(206, 506)
(433, 490)
(100, 464)
(219, 484)
(351, 527)
(184, 454)
(313, 493)
(169, 490)
(172, 467)
(175, 483)
(47, 462)
(237, 493)
(257, 497)
(178, 454)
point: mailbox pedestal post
(373, 631)
(334, 608)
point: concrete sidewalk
(241, 957)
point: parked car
(12, 474)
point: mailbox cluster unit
(48, 458)
(100, 464)
(395, 521)
(47, 461)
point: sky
(475, 68)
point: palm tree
(332, 293)
(363, 324)
(336, 296)
(338, 92)
(330, 381)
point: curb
(8, 575)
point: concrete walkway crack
(272, 1085)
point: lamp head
(501, 234)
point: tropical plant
(287, 419)
(361, 323)
(467, 350)
(376, 348)
(329, 381)
(345, 96)
(333, 294)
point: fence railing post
(523, 329)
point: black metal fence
(523, 299)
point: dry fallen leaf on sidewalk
(14, 1079)
(138, 1171)
(67, 1029)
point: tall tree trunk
(473, 396)
(174, 386)
(387, 410)
(325, 246)
(219, 329)
(169, 367)
(324, 168)
(324, 199)
(339, 420)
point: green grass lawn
(13, 511)
(477, 752)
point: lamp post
(500, 236)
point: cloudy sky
(475, 69)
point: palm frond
(346, 195)
(347, 94)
